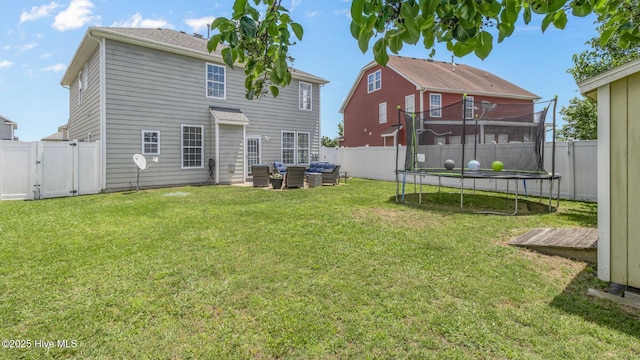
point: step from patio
(574, 243)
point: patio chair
(280, 167)
(331, 176)
(294, 177)
(260, 175)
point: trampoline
(513, 134)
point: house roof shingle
(164, 39)
(430, 75)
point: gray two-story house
(7, 129)
(160, 93)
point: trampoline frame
(463, 173)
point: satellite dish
(140, 160)
(487, 106)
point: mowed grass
(338, 272)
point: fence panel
(56, 169)
(17, 170)
(35, 170)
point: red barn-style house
(417, 85)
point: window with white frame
(382, 113)
(216, 81)
(192, 146)
(304, 148)
(83, 82)
(289, 147)
(468, 108)
(435, 105)
(410, 103)
(150, 142)
(305, 96)
(296, 147)
(374, 81)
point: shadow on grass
(575, 301)
(586, 214)
(474, 203)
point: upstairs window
(435, 105)
(83, 82)
(374, 81)
(305, 96)
(468, 108)
(150, 142)
(382, 113)
(216, 77)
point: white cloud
(136, 21)
(6, 47)
(311, 14)
(54, 68)
(5, 64)
(294, 4)
(38, 12)
(199, 24)
(345, 12)
(28, 46)
(45, 56)
(75, 16)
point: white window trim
(377, 85)
(412, 99)
(382, 113)
(296, 160)
(182, 126)
(254, 137)
(206, 82)
(308, 148)
(470, 100)
(143, 142)
(301, 96)
(282, 148)
(431, 109)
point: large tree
(261, 41)
(580, 115)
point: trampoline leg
(420, 196)
(404, 181)
(461, 193)
(524, 183)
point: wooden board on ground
(575, 243)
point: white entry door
(253, 152)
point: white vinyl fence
(39, 170)
(575, 161)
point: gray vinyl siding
(84, 118)
(5, 132)
(148, 89)
(231, 159)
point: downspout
(422, 90)
(103, 109)
(217, 154)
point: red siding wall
(361, 122)
(362, 110)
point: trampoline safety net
(511, 133)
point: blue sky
(38, 39)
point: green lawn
(337, 272)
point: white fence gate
(575, 161)
(39, 170)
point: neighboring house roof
(590, 86)
(178, 42)
(61, 135)
(440, 76)
(6, 121)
